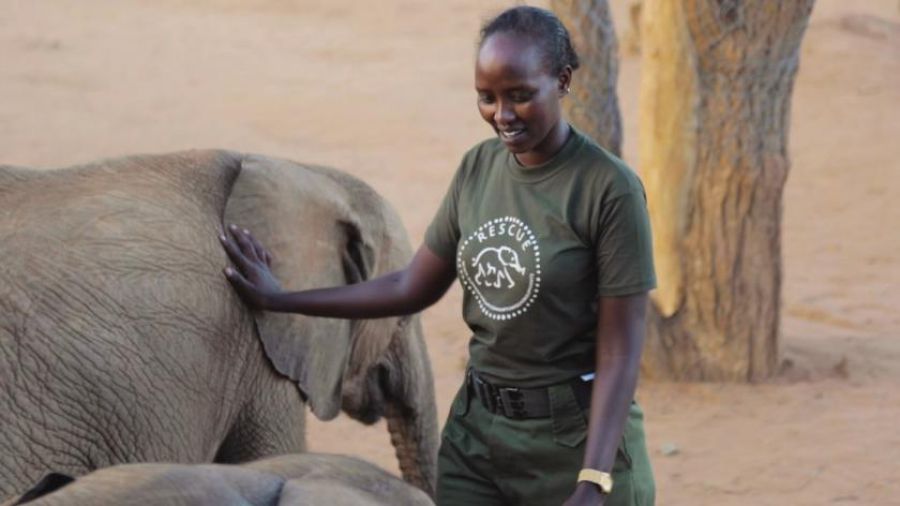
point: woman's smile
(512, 136)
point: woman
(549, 235)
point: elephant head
(121, 341)
(325, 227)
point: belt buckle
(512, 402)
(485, 394)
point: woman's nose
(503, 114)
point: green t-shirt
(534, 248)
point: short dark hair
(542, 27)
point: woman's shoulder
(608, 173)
(488, 149)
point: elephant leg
(273, 422)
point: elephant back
(109, 283)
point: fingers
(243, 249)
(245, 242)
(235, 253)
(261, 252)
(235, 277)
(243, 287)
(250, 245)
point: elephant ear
(307, 221)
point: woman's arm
(412, 289)
(620, 338)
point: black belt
(513, 402)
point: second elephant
(306, 479)
(121, 341)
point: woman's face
(520, 98)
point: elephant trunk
(395, 381)
(410, 408)
(415, 463)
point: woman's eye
(520, 97)
(485, 99)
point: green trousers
(487, 459)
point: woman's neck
(547, 149)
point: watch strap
(600, 478)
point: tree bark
(592, 104)
(717, 77)
(633, 32)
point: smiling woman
(561, 299)
(548, 234)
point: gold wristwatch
(601, 479)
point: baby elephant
(286, 480)
(122, 342)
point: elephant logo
(499, 265)
(493, 266)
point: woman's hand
(586, 494)
(253, 279)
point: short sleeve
(624, 246)
(442, 235)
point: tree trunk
(714, 111)
(633, 32)
(592, 105)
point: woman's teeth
(511, 133)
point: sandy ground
(383, 90)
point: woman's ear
(564, 80)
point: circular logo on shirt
(500, 265)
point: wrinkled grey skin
(288, 480)
(121, 341)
